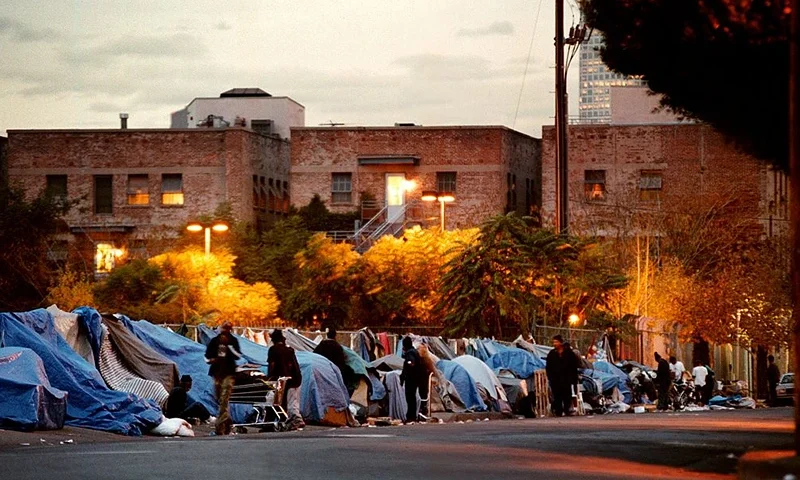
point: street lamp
(442, 197)
(218, 227)
(573, 320)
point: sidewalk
(769, 465)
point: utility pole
(562, 197)
(794, 196)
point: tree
(71, 290)
(26, 229)
(725, 62)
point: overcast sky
(77, 64)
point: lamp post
(198, 227)
(442, 197)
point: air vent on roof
(406, 124)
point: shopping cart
(265, 397)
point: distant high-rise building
(596, 82)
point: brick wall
(482, 157)
(697, 165)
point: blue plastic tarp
(90, 319)
(465, 385)
(361, 367)
(322, 385)
(621, 377)
(91, 403)
(28, 402)
(189, 356)
(520, 362)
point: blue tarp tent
(361, 367)
(621, 377)
(91, 404)
(465, 385)
(28, 402)
(188, 355)
(91, 321)
(322, 386)
(520, 362)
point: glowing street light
(574, 319)
(195, 227)
(442, 197)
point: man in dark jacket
(412, 378)
(664, 381)
(282, 362)
(773, 377)
(221, 353)
(178, 405)
(562, 373)
(333, 351)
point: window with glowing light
(172, 189)
(138, 190)
(594, 184)
(105, 257)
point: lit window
(446, 182)
(138, 190)
(342, 188)
(56, 187)
(105, 257)
(594, 184)
(650, 186)
(172, 189)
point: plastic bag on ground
(171, 427)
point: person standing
(677, 369)
(699, 372)
(773, 378)
(333, 351)
(562, 374)
(221, 353)
(411, 378)
(282, 362)
(178, 405)
(664, 381)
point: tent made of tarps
(520, 362)
(483, 375)
(540, 351)
(322, 386)
(91, 404)
(91, 321)
(370, 374)
(142, 360)
(187, 354)
(28, 402)
(74, 331)
(622, 378)
(388, 363)
(465, 385)
(609, 380)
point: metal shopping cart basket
(265, 397)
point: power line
(527, 62)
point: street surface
(649, 446)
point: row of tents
(108, 372)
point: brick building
(617, 170)
(489, 169)
(133, 186)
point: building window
(511, 192)
(286, 203)
(256, 192)
(103, 194)
(172, 189)
(264, 127)
(446, 182)
(594, 184)
(271, 193)
(342, 188)
(105, 257)
(650, 186)
(56, 187)
(138, 190)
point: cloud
(497, 28)
(223, 25)
(148, 46)
(445, 67)
(25, 34)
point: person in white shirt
(676, 368)
(699, 372)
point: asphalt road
(648, 446)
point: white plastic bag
(171, 427)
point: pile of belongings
(734, 401)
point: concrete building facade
(251, 108)
(489, 169)
(132, 186)
(615, 171)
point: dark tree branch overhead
(724, 62)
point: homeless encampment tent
(28, 402)
(465, 385)
(75, 331)
(483, 375)
(323, 395)
(621, 377)
(518, 361)
(91, 404)
(187, 354)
